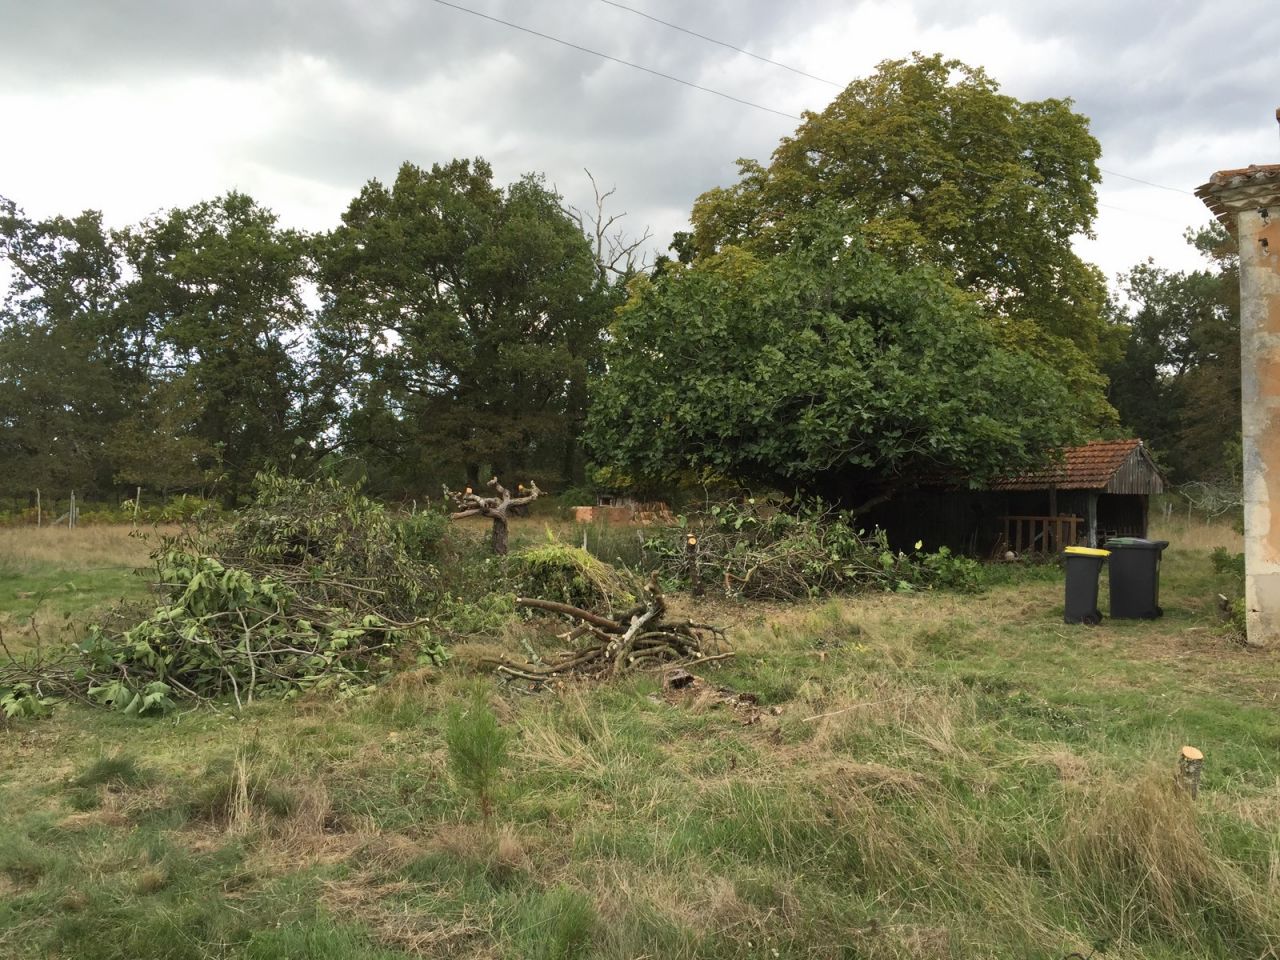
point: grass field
(918, 776)
(51, 578)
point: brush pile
(311, 585)
(642, 637)
(797, 550)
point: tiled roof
(1089, 467)
(1227, 190)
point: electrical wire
(722, 43)
(1147, 183)
(625, 63)
(718, 93)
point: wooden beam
(1091, 512)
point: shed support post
(1091, 511)
(1056, 546)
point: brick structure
(1247, 201)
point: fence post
(71, 511)
(137, 501)
(37, 507)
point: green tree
(460, 319)
(67, 358)
(219, 286)
(1177, 384)
(826, 367)
(942, 168)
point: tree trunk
(500, 536)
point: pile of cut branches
(308, 586)
(796, 550)
(640, 638)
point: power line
(1141, 213)
(698, 86)
(1147, 183)
(625, 63)
(722, 43)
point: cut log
(1187, 776)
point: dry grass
(84, 548)
(1195, 534)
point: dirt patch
(681, 688)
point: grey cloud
(1149, 74)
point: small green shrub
(478, 749)
(945, 570)
(1227, 564)
(423, 535)
(1230, 567)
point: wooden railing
(1041, 534)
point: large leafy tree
(1177, 384)
(460, 318)
(825, 366)
(67, 357)
(219, 288)
(942, 168)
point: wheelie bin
(1083, 564)
(1134, 577)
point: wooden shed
(1098, 490)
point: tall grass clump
(1142, 863)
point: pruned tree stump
(1187, 775)
(471, 504)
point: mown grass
(924, 776)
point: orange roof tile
(1227, 189)
(1089, 467)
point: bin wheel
(1091, 619)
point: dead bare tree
(616, 253)
(471, 504)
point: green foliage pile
(797, 550)
(557, 571)
(311, 585)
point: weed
(119, 770)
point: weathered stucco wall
(1259, 233)
(1247, 201)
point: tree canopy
(1177, 384)
(65, 360)
(461, 319)
(827, 366)
(940, 167)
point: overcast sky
(130, 106)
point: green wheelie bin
(1134, 577)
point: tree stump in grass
(1187, 777)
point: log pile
(641, 638)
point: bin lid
(1135, 543)
(1087, 552)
